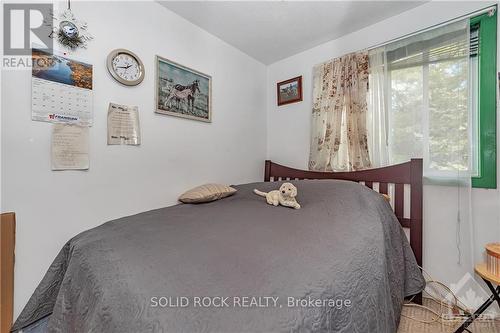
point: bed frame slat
(399, 196)
(382, 188)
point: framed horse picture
(182, 91)
(289, 91)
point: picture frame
(289, 91)
(181, 91)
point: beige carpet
(408, 325)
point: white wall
(175, 154)
(288, 129)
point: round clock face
(69, 29)
(125, 67)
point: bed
(400, 175)
(341, 263)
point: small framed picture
(289, 91)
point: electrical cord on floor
(457, 303)
(439, 316)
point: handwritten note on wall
(70, 147)
(123, 125)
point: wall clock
(125, 67)
(70, 32)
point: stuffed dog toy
(285, 196)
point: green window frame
(487, 122)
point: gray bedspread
(340, 264)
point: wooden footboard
(381, 179)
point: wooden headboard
(7, 240)
(409, 173)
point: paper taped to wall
(123, 125)
(70, 147)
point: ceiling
(272, 30)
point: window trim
(487, 101)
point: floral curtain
(339, 135)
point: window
(442, 100)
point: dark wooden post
(416, 209)
(267, 171)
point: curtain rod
(475, 13)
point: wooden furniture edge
(483, 272)
(7, 244)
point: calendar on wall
(61, 89)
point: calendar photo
(61, 89)
(54, 68)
